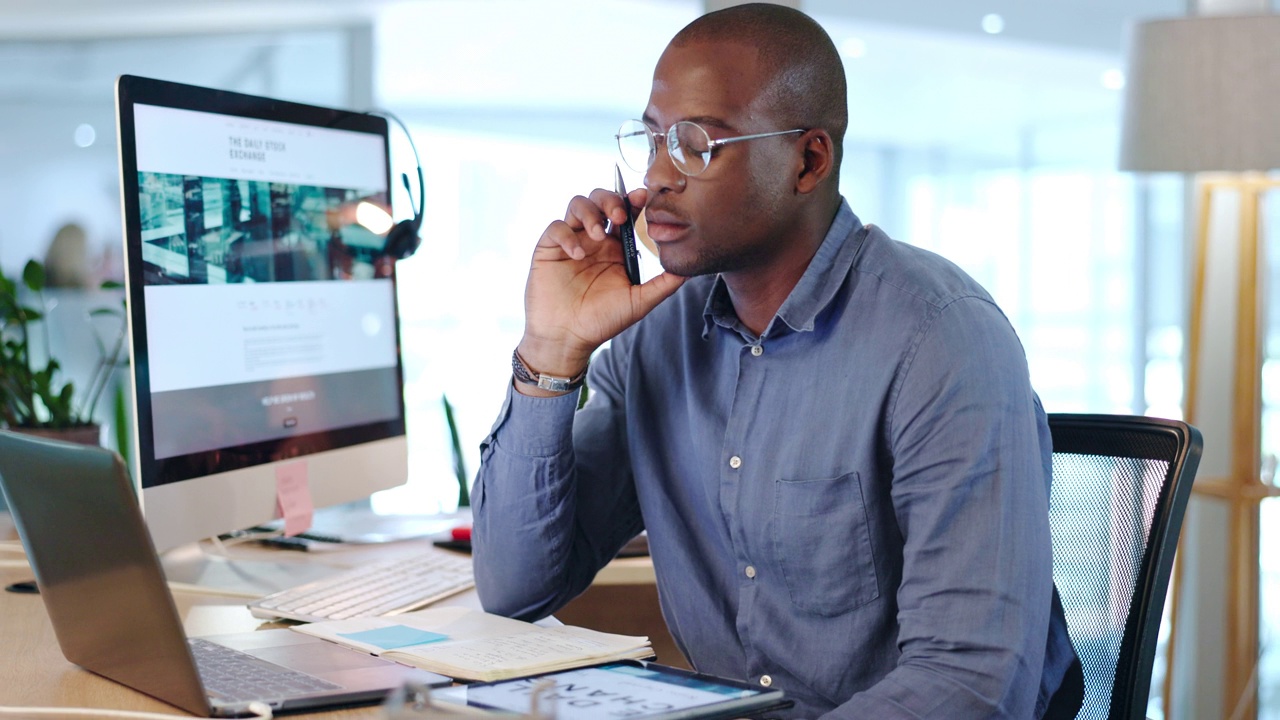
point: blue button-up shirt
(852, 507)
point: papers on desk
(469, 644)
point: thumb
(649, 295)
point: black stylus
(627, 231)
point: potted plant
(33, 397)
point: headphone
(403, 239)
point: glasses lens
(635, 145)
(690, 147)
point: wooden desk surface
(34, 673)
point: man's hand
(578, 295)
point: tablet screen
(622, 690)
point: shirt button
(751, 572)
(765, 680)
(735, 462)
(757, 350)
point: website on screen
(269, 309)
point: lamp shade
(1202, 94)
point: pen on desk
(627, 231)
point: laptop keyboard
(233, 676)
(385, 588)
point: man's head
(748, 69)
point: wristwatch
(547, 382)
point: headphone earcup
(403, 240)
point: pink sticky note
(293, 497)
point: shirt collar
(815, 289)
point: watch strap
(527, 375)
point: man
(830, 437)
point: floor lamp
(1203, 96)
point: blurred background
(985, 130)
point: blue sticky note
(395, 636)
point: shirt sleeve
(554, 500)
(970, 497)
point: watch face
(524, 374)
(553, 384)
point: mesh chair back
(1120, 489)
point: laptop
(102, 585)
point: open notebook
(469, 644)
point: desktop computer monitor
(262, 309)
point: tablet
(632, 689)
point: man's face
(732, 216)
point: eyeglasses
(688, 144)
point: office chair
(1120, 489)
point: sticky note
(293, 497)
(395, 636)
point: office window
(1268, 670)
(1032, 208)
(462, 296)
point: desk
(34, 673)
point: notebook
(467, 644)
(105, 592)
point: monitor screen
(262, 311)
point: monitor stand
(192, 567)
(256, 571)
(357, 524)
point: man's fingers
(560, 234)
(589, 216)
(610, 203)
(586, 214)
(639, 198)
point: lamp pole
(1240, 488)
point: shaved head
(807, 84)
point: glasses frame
(670, 138)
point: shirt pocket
(823, 544)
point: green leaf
(33, 275)
(99, 312)
(120, 412)
(111, 285)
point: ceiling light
(993, 23)
(84, 135)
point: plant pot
(81, 434)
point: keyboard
(234, 677)
(384, 588)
